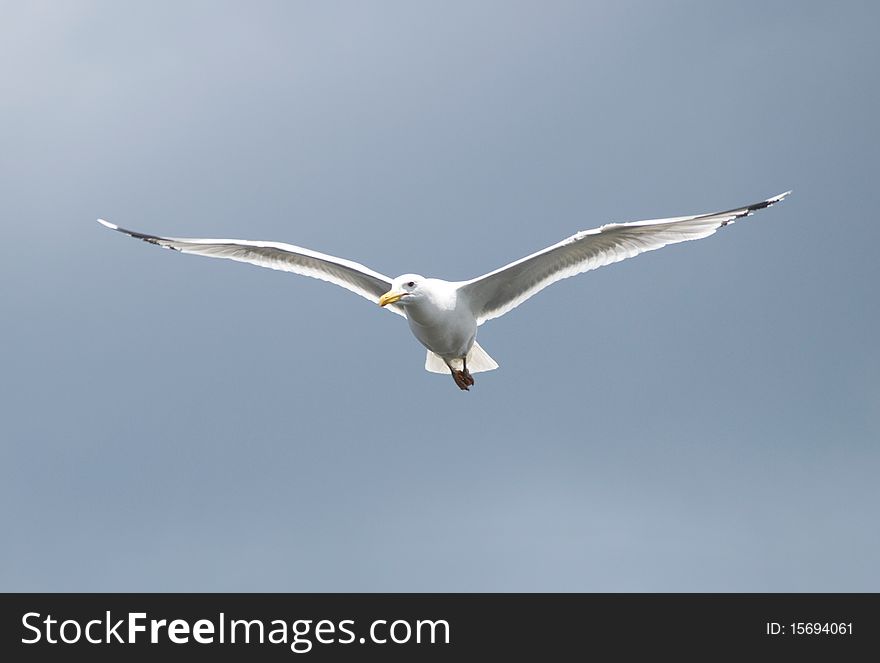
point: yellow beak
(390, 297)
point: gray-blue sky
(705, 417)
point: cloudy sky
(701, 418)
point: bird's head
(404, 290)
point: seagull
(444, 315)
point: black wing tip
(741, 212)
(152, 239)
(768, 202)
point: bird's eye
(410, 284)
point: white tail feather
(477, 361)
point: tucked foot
(468, 377)
(462, 379)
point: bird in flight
(444, 315)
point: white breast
(442, 321)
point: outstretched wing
(277, 255)
(496, 293)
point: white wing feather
(285, 257)
(497, 292)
